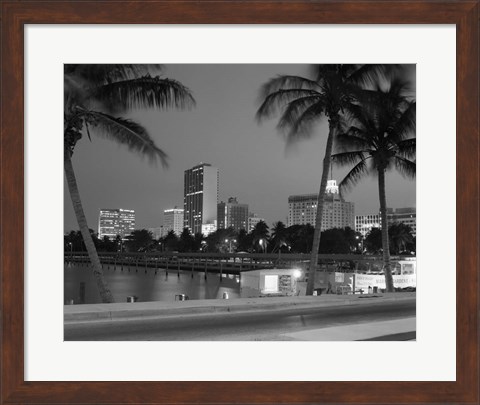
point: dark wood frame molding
(15, 14)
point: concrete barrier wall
(362, 281)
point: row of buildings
(203, 213)
(407, 216)
(338, 213)
(229, 214)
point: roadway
(246, 326)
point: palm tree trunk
(385, 245)
(103, 289)
(318, 220)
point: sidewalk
(398, 329)
(141, 310)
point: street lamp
(297, 273)
(360, 243)
(230, 244)
(263, 244)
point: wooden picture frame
(15, 14)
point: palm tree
(260, 235)
(279, 236)
(400, 235)
(376, 136)
(304, 102)
(94, 96)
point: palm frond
(126, 132)
(366, 75)
(279, 99)
(354, 175)
(73, 92)
(359, 115)
(301, 128)
(353, 137)
(326, 72)
(294, 110)
(407, 148)
(367, 99)
(284, 82)
(398, 87)
(99, 74)
(407, 168)
(143, 92)
(88, 131)
(348, 158)
(406, 123)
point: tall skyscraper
(117, 221)
(200, 196)
(173, 220)
(232, 214)
(337, 213)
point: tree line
(279, 239)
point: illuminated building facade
(337, 213)
(407, 216)
(209, 228)
(253, 220)
(113, 222)
(200, 196)
(364, 223)
(173, 220)
(232, 214)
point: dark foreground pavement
(389, 317)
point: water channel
(145, 284)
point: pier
(222, 263)
(229, 263)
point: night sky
(254, 165)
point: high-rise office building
(337, 213)
(173, 220)
(200, 196)
(113, 222)
(232, 214)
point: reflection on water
(147, 286)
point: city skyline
(254, 164)
(174, 217)
(285, 220)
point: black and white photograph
(240, 202)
